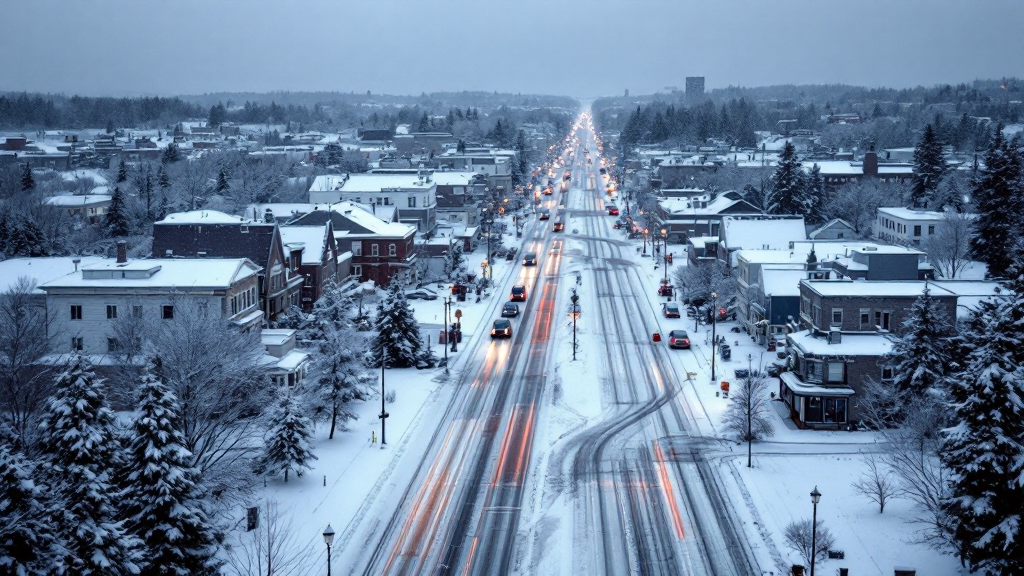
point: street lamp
(457, 332)
(574, 299)
(646, 232)
(664, 254)
(484, 220)
(815, 496)
(328, 539)
(714, 324)
(383, 413)
(447, 328)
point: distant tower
(694, 88)
(627, 93)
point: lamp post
(328, 539)
(815, 496)
(383, 413)
(664, 253)
(714, 324)
(486, 221)
(574, 299)
(646, 232)
(447, 329)
(458, 329)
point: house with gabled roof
(312, 254)
(685, 217)
(212, 234)
(380, 250)
(412, 195)
(758, 233)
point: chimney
(76, 262)
(122, 252)
(871, 163)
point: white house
(85, 305)
(413, 195)
(906, 226)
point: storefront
(813, 405)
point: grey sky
(579, 48)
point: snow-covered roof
(368, 183)
(367, 219)
(684, 206)
(850, 344)
(764, 234)
(826, 226)
(781, 256)
(311, 237)
(835, 167)
(201, 217)
(42, 270)
(892, 168)
(70, 200)
(794, 383)
(970, 287)
(292, 360)
(782, 282)
(82, 174)
(166, 273)
(701, 241)
(276, 336)
(878, 288)
(453, 178)
(911, 214)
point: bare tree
(270, 549)
(877, 483)
(748, 414)
(950, 247)
(191, 179)
(697, 283)
(799, 539)
(857, 203)
(24, 384)
(217, 373)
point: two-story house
(312, 254)
(458, 197)
(85, 305)
(867, 261)
(495, 163)
(859, 306)
(907, 226)
(758, 233)
(212, 234)
(414, 195)
(380, 249)
(685, 217)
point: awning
(249, 318)
(798, 386)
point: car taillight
(686, 342)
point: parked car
(613, 210)
(559, 223)
(501, 329)
(530, 259)
(678, 339)
(421, 294)
(543, 214)
(665, 290)
(670, 310)
(510, 310)
(518, 294)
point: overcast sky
(580, 48)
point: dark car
(559, 224)
(501, 329)
(670, 310)
(678, 339)
(613, 210)
(421, 294)
(510, 310)
(518, 294)
(543, 214)
(530, 259)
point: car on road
(421, 294)
(530, 259)
(678, 339)
(559, 224)
(518, 293)
(670, 310)
(510, 310)
(501, 329)
(543, 214)
(613, 210)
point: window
(813, 371)
(137, 311)
(835, 372)
(816, 315)
(813, 413)
(374, 250)
(917, 230)
(886, 373)
(412, 201)
(244, 229)
(835, 410)
(113, 345)
(76, 343)
(357, 271)
(168, 312)
(931, 229)
(76, 311)
(837, 316)
(865, 319)
(111, 311)
(357, 248)
(882, 318)
(392, 250)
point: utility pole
(383, 413)
(574, 298)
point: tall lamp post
(714, 339)
(646, 232)
(328, 539)
(664, 253)
(486, 221)
(383, 413)
(815, 496)
(574, 299)
(447, 329)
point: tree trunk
(334, 419)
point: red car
(613, 210)
(678, 339)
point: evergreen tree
(28, 182)
(787, 194)
(659, 131)
(222, 182)
(171, 154)
(929, 166)
(110, 126)
(164, 506)
(79, 443)
(398, 335)
(163, 179)
(287, 445)
(122, 171)
(522, 152)
(5, 232)
(461, 146)
(424, 125)
(218, 114)
(984, 452)
(816, 196)
(340, 376)
(454, 261)
(116, 220)
(999, 204)
(27, 545)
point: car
(421, 294)
(613, 210)
(501, 329)
(666, 290)
(530, 259)
(544, 214)
(518, 293)
(559, 224)
(510, 310)
(678, 339)
(670, 310)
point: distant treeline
(37, 112)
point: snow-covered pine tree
(815, 196)
(79, 444)
(222, 182)
(287, 444)
(398, 334)
(929, 166)
(339, 375)
(26, 538)
(28, 182)
(164, 507)
(999, 203)
(122, 171)
(787, 193)
(454, 261)
(920, 357)
(984, 451)
(116, 221)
